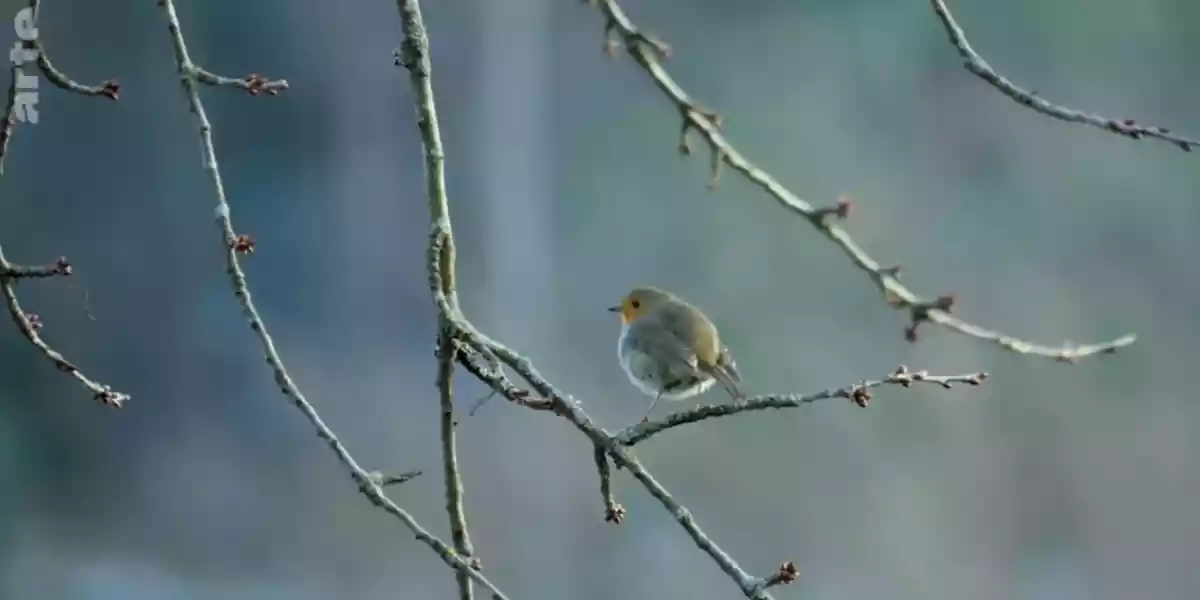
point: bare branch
(33, 50)
(493, 375)
(10, 114)
(613, 512)
(858, 393)
(60, 268)
(29, 323)
(253, 84)
(708, 125)
(385, 480)
(974, 63)
(368, 485)
(446, 355)
(109, 89)
(415, 53)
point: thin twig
(253, 84)
(237, 279)
(59, 268)
(499, 383)
(450, 472)
(33, 50)
(9, 124)
(109, 89)
(613, 512)
(648, 52)
(29, 324)
(979, 67)
(858, 393)
(385, 480)
(447, 355)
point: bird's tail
(727, 376)
(725, 360)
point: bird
(670, 349)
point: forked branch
(30, 325)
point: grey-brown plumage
(670, 349)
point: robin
(669, 349)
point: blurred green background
(1052, 481)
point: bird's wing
(692, 325)
(709, 355)
(666, 348)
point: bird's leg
(646, 417)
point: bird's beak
(614, 309)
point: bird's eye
(636, 304)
